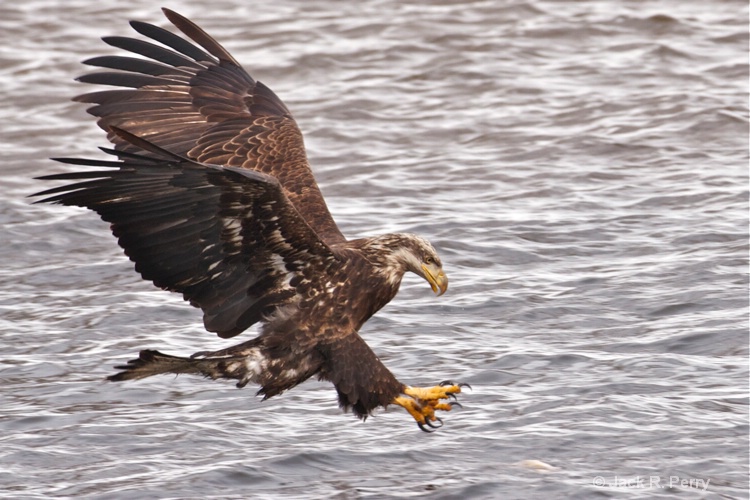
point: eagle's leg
(421, 403)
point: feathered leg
(364, 383)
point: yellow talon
(421, 403)
(443, 407)
(411, 406)
(432, 393)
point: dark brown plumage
(212, 196)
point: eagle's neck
(391, 255)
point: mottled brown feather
(206, 232)
(205, 106)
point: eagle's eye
(429, 260)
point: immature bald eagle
(212, 197)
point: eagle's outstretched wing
(227, 238)
(203, 105)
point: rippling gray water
(582, 168)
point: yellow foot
(421, 403)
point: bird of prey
(210, 194)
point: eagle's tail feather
(150, 362)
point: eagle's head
(400, 252)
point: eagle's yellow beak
(436, 278)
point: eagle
(210, 194)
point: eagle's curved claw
(424, 429)
(445, 382)
(455, 403)
(464, 384)
(427, 422)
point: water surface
(582, 169)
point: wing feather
(153, 51)
(136, 65)
(197, 101)
(170, 39)
(227, 238)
